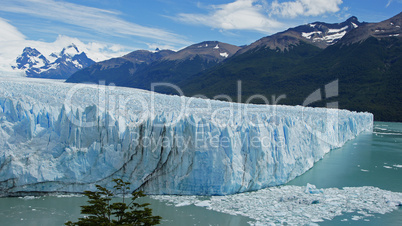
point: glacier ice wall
(57, 137)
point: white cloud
(305, 7)
(12, 43)
(94, 19)
(238, 15)
(94, 50)
(391, 1)
(9, 32)
(258, 15)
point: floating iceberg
(57, 137)
(293, 205)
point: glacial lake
(369, 160)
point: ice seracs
(68, 137)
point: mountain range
(141, 68)
(363, 58)
(56, 66)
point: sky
(109, 28)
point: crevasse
(57, 137)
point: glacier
(60, 137)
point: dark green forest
(369, 75)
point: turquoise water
(372, 159)
(369, 160)
(52, 210)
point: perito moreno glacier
(57, 137)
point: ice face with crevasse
(69, 137)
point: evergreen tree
(101, 211)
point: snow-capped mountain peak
(324, 34)
(319, 34)
(384, 29)
(58, 65)
(31, 57)
(31, 52)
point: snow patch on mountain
(225, 54)
(331, 38)
(337, 30)
(309, 34)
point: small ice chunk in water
(312, 189)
